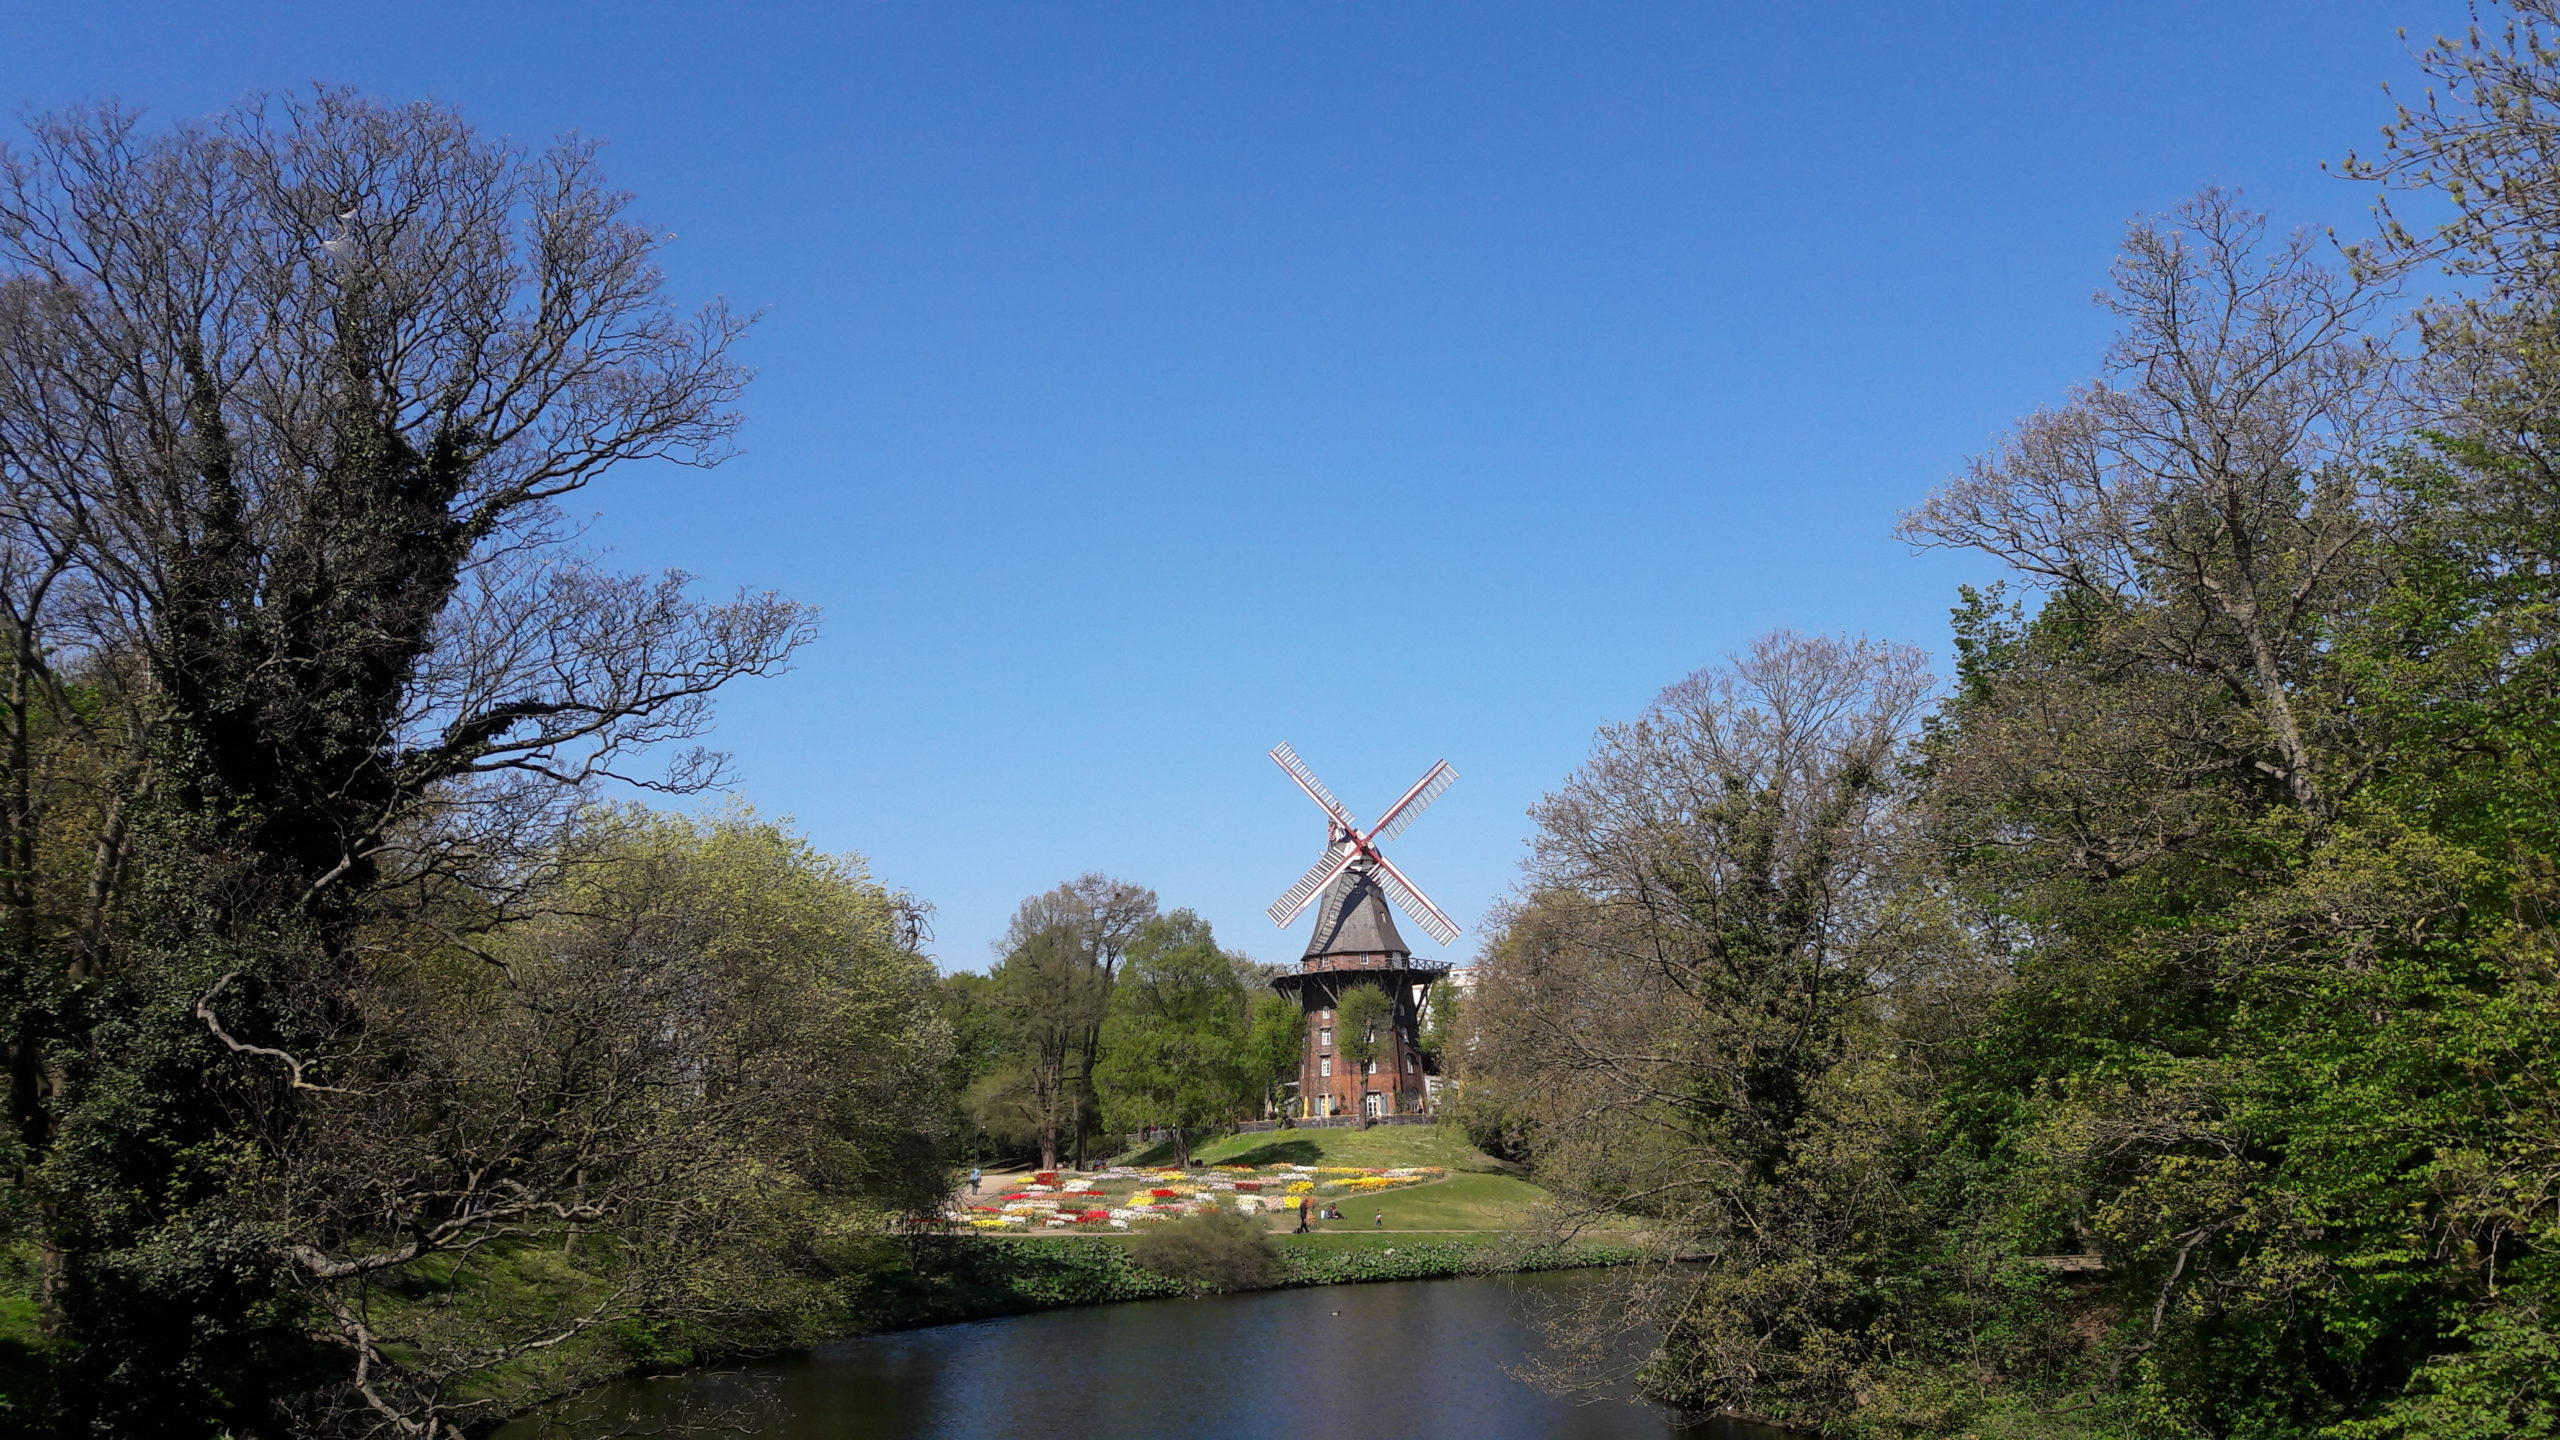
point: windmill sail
(1336, 858)
(1416, 800)
(1411, 901)
(1287, 759)
(1348, 847)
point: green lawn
(1461, 1202)
(1481, 1193)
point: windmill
(1380, 1072)
(1347, 847)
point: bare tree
(2218, 480)
(1113, 912)
(1046, 989)
(1711, 893)
(1712, 902)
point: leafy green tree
(968, 1004)
(2228, 801)
(1443, 1022)
(712, 1045)
(1275, 1043)
(1174, 1046)
(1360, 1017)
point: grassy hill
(1382, 1147)
(1481, 1193)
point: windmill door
(1373, 1104)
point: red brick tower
(1356, 944)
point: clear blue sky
(1145, 384)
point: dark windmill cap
(1352, 918)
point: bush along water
(937, 1279)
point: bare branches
(1714, 894)
(2218, 480)
(293, 1067)
(289, 392)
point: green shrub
(1212, 1251)
(1435, 1260)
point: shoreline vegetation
(951, 1278)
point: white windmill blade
(1287, 759)
(1416, 800)
(1414, 902)
(1337, 857)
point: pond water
(1411, 1360)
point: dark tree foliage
(302, 668)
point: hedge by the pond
(935, 1279)
(1434, 1260)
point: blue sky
(1145, 384)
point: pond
(1411, 1360)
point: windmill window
(1408, 1065)
(1324, 1067)
(1371, 1069)
(1325, 1036)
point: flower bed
(1120, 1196)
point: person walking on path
(1302, 1214)
(973, 1179)
(1382, 1219)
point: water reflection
(1410, 1361)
